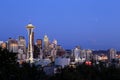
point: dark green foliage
(7, 58)
(10, 69)
(7, 64)
(83, 72)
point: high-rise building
(30, 28)
(46, 42)
(76, 53)
(53, 54)
(21, 56)
(55, 43)
(39, 43)
(89, 55)
(3, 45)
(60, 51)
(83, 54)
(13, 45)
(112, 54)
(22, 44)
(46, 45)
(37, 48)
(86, 54)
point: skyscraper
(13, 45)
(30, 28)
(112, 54)
(55, 43)
(39, 43)
(76, 53)
(37, 48)
(46, 44)
(22, 43)
(89, 54)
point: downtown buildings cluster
(43, 52)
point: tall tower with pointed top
(30, 28)
(46, 42)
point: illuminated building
(76, 53)
(46, 42)
(103, 57)
(83, 54)
(86, 54)
(46, 45)
(30, 28)
(53, 50)
(55, 43)
(60, 51)
(89, 55)
(60, 61)
(53, 54)
(20, 55)
(22, 44)
(4, 45)
(96, 57)
(13, 45)
(21, 48)
(112, 54)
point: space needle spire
(30, 28)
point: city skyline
(91, 24)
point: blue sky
(92, 24)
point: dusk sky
(92, 24)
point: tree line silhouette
(10, 70)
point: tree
(10, 70)
(8, 63)
(7, 58)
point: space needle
(30, 28)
